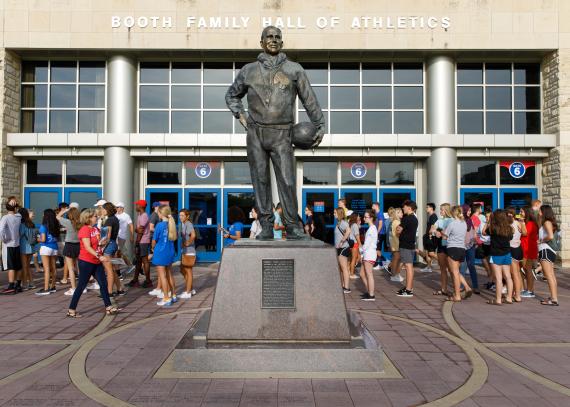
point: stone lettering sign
(278, 283)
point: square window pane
(185, 72)
(319, 173)
(376, 122)
(218, 72)
(40, 201)
(83, 172)
(376, 73)
(215, 97)
(322, 94)
(408, 122)
(34, 71)
(497, 73)
(91, 121)
(527, 74)
(92, 96)
(345, 123)
(408, 97)
(345, 98)
(345, 73)
(62, 96)
(527, 122)
(527, 97)
(43, 172)
(63, 71)
(237, 172)
(499, 123)
(470, 122)
(34, 121)
(34, 95)
(62, 121)
(376, 97)
(185, 97)
(397, 173)
(469, 97)
(304, 117)
(185, 122)
(153, 122)
(357, 173)
(154, 72)
(218, 122)
(85, 199)
(317, 72)
(198, 174)
(154, 97)
(470, 73)
(408, 73)
(164, 172)
(478, 172)
(91, 71)
(498, 97)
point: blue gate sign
(358, 170)
(517, 169)
(318, 206)
(203, 170)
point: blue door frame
(334, 191)
(29, 190)
(225, 203)
(207, 256)
(149, 207)
(502, 191)
(492, 191)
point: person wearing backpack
(548, 245)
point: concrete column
(121, 118)
(440, 109)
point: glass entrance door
(244, 200)
(166, 196)
(324, 202)
(394, 197)
(205, 212)
(486, 196)
(517, 197)
(358, 200)
(85, 197)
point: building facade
(438, 101)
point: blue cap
(155, 204)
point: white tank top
(516, 240)
(542, 235)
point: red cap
(141, 202)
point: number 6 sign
(517, 169)
(203, 170)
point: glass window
(154, 72)
(345, 73)
(498, 97)
(316, 72)
(527, 122)
(408, 122)
(34, 121)
(85, 199)
(358, 202)
(529, 177)
(376, 97)
(470, 122)
(499, 123)
(154, 97)
(83, 172)
(92, 71)
(478, 172)
(394, 199)
(43, 172)
(322, 94)
(92, 96)
(91, 121)
(498, 73)
(34, 96)
(527, 74)
(470, 97)
(358, 173)
(63, 71)
(468, 73)
(218, 122)
(471, 197)
(345, 122)
(408, 97)
(164, 173)
(218, 72)
(185, 97)
(34, 71)
(527, 97)
(408, 73)
(245, 201)
(153, 122)
(517, 199)
(62, 96)
(215, 97)
(39, 201)
(185, 72)
(347, 97)
(62, 121)
(319, 173)
(186, 122)
(376, 73)
(376, 122)
(397, 173)
(237, 172)
(202, 173)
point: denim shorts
(504, 260)
(111, 248)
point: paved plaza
(437, 353)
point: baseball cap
(120, 205)
(155, 204)
(100, 202)
(141, 202)
(74, 205)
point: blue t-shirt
(236, 227)
(442, 224)
(164, 248)
(277, 234)
(51, 241)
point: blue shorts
(504, 260)
(111, 248)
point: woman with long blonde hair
(341, 237)
(71, 249)
(162, 254)
(188, 257)
(455, 234)
(395, 265)
(441, 247)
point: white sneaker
(69, 292)
(504, 290)
(163, 303)
(185, 295)
(85, 290)
(397, 278)
(376, 267)
(160, 295)
(193, 292)
(93, 286)
(426, 270)
(155, 292)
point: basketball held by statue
(304, 135)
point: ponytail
(172, 236)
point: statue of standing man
(272, 84)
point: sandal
(440, 292)
(549, 301)
(468, 294)
(112, 310)
(452, 299)
(73, 314)
(494, 302)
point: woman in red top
(529, 244)
(90, 263)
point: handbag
(349, 240)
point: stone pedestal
(278, 291)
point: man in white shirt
(126, 231)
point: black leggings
(86, 271)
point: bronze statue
(272, 84)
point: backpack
(555, 243)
